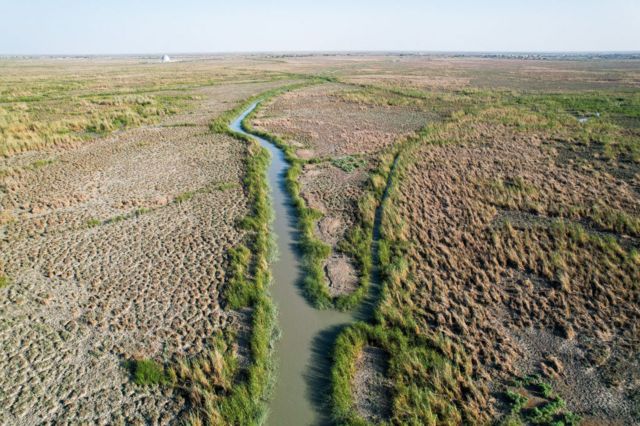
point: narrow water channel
(304, 350)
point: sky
(200, 26)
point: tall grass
(427, 385)
(217, 392)
(25, 127)
(430, 374)
(357, 242)
(314, 251)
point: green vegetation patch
(349, 163)
(427, 384)
(93, 222)
(184, 197)
(147, 372)
(533, 401)
(4, 281)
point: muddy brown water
(303, 352)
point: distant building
(166, 58)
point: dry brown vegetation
(488, 276)
(510, 237)
(522, 246)
(59, 103)
(339, 138)
(116, 249)
(509, 242)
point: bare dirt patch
(333, 192)
(329, 126)
(341, 275)
(371, 387)
(562, 361)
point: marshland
(403, 239)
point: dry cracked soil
(116, 250)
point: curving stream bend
(304, 350)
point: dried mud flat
(322, 125)
(117, 250)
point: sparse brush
(349, 163)
(91, 223)
(184, 197)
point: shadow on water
(318, 376)
(302, 391)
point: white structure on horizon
(166, 58)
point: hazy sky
(155, 26)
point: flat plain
(509, 240)
(489, 206)
(115, 243)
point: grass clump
(349, 163)
(549, 408)
(225, 186)
(147, 372)
(4, 281)
(239, 291)
(93, 222)
(184, 197)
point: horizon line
(335, 52)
